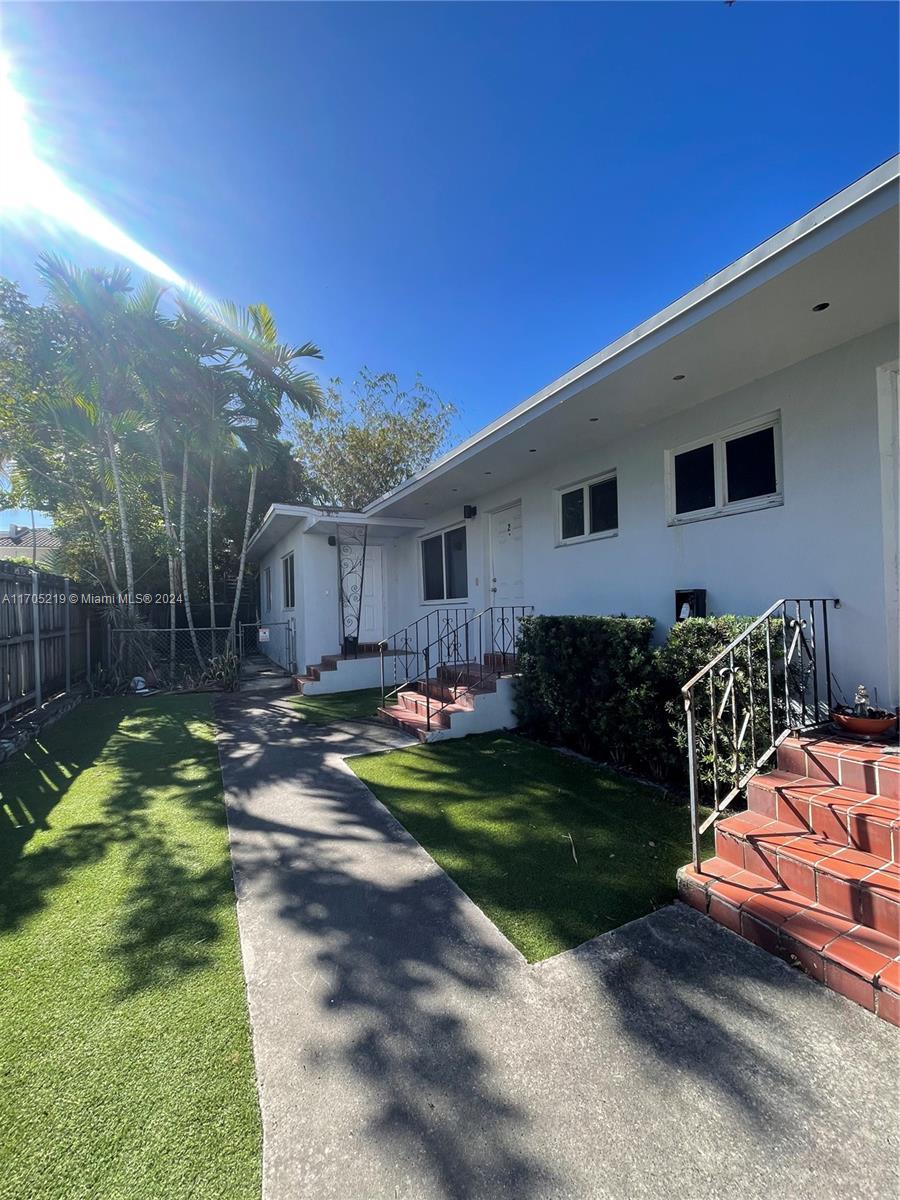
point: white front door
(371, 615)
(506, 555)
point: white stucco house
(742, 443)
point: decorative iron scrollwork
(351, 541)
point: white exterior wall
(827, 539)
(278, 613)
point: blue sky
(484, 193)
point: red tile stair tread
(886, 880)
(857, 955)
(816, 926)
(736, 887)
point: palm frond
(263, 323)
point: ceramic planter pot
(865, 726)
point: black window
(455, 555)
(433, 568)
(750, 465)
(573, 513)
(695, 479)
(604, 505)
(734, 472)
(287, 566)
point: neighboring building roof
(773, 326)
(23, 538)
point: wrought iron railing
(405, 647)
(772, 680)
(464, 656)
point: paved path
(405, 1051)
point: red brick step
(853, 959)
(811, 870)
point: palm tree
(102, 319)
(253, 375)
(272, 378)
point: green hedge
(586, 682)
(689, 646)
(599, 686)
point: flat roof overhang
(380, 529)
(281, 519)
(752, 319)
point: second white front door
(371, 614)
(506, 555)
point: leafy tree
(106, 402)
(370, 438)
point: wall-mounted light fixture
(469, 511)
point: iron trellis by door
(351, 541)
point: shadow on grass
(139, 752)
(554, 849)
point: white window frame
(284, 559)
(585, 485)
(442, 533)
(723, 507)
(267, 588)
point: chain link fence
(174, 658)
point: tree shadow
(696, 1020)
(398, 972)
(168, 916)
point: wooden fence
(50, 637)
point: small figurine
(861, 701)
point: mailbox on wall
(690, 603)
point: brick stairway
(460, 684)
(810, 871)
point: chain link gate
(274, 639)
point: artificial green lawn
(125, 1061)
(338, 706)
(500, 814)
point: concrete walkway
(405, 1050)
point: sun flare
(30, 185)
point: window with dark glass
(433, 568)
(695, 479)
(604, 497)
(268, 582)
(736, 471)
(287, 566)
(456, 568)
(445, 573)
(573, 513)
(750, 465)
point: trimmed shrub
(587, 683)
(596, 685)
